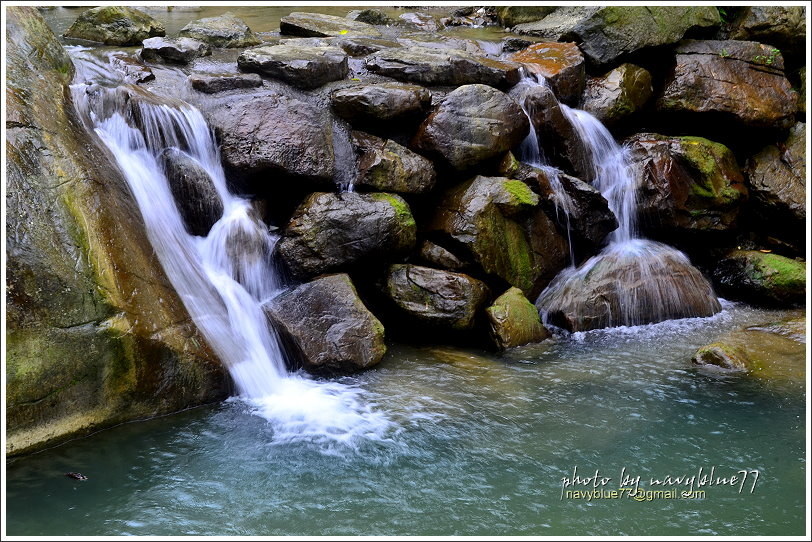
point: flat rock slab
(173, 50)
(319, 25)
(227, 30)
(304, 67)
(432, 67)
(211, 83)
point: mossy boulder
(741, 82)
(686, 183)
(384, 165)
(474, 123)
(617, 94)
(115, 25)
(435, 297)
(761, 278)
(330, 232)
(606, 33)
(95, 333)
(327, 327)
(226, 30)
(514, 320)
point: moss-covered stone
(514, 320)
(762, 278)
(115, 25)
(227, 30)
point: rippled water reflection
(478, 445)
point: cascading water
(221, 278)
(632, 281)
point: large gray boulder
(95, 334)
(386, 166)
(173, 50)
(431, 66)
(606, 33)
(776, 176)
(115, 25)
(194, 192)
(472, 124)
(226, 30)
(319, 25)
(381, 103)
(327, 326)
(617, 94)
(685, 183)
(435, 297)
(742, 80)
(331, 231)
(301, 66)
(273, 134)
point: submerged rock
(226, 30)
(777, 180)
(115, 25)
(212, 83)
(740, 80)
(685, 183)
(386, 166)
(327, 326)
(381, 103)
(175, 50)
(561, 64)
(320, 25)
(761, 278)
(514, 320)
(301, 66)
(274, 134)
(334, 231)
(606, 33)
(633, 283)
(430, 66)
(473, 123)
(618, 94)
(436, 297)
(194, 192)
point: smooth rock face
(618, 94)
(435, 255)
(212, 83)
(195, 195)
(514, 320)
(318, 25)
(742, 80)
(274, 133)
(81, 275)
(606, 33)
(115, 25)
(227, 30)
(765, 279)
(328, 325)
(685, 183)
(386, 166)
(430, 66)
(473, 123)
(561, 64)
(333, 231)
(436, 297)
(175, 50)
(301, 66)
(777, 180)
(781, 26)
(485, 215)
(558, 138)
(381, 102)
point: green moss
(782, 272)
(521, 192)
(402, 210)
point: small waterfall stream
(221, 278)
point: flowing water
(478, 445)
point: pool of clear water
(475, 443)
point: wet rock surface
(212, 83)
(514, 320)
(319, 25)
(387, 166)
(561, 64)
(761, 278)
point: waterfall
(632, 281)
(224, 277)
